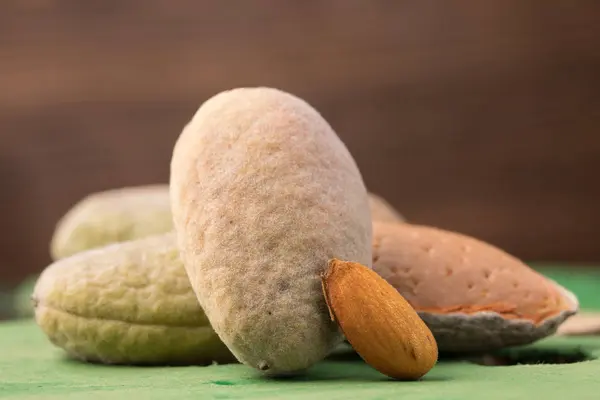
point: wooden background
(482, 117)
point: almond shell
(472, 295)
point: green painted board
(31, 368)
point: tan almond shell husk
(382, 210)
(472, 295)
(582, 324)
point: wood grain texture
(482, 118)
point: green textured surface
(583, 281)
(31, 368)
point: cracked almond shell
(472, 295)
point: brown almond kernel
(378, 322)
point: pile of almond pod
(265, 248)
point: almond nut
(378, 322)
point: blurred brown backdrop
(482, 117)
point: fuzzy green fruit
(126, 303)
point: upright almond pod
(378, 322)
(263, 194)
